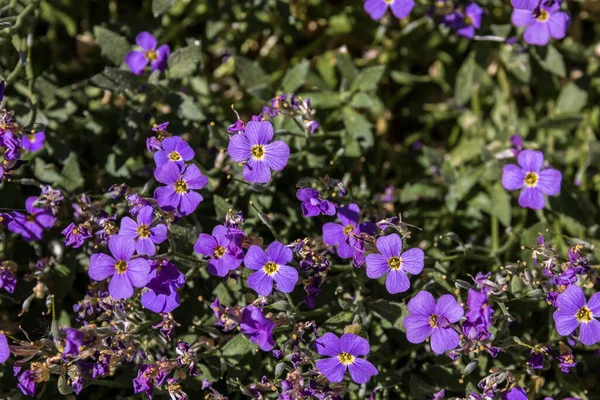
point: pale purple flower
(271, 266)
(255, 325)
(542, 23)
(163, 282)
(525, 4)
(126, 272)
(573, 311)
(31, 226)
(343, 354)
(143, 231)
(393, 262)
(157, 57)
(34, 141)
(471, 20)
(313, 204)
(530, 177)
(4, 349)
(400, 8)
(427, 318)
(179, 193)
(174, 150)
(341, 235)
(224, 252)
(260, 155)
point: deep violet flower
(225, 254)
(542, 24)
(400, 8)
(534, 181)
(574, 311)
(164, 280)
(174, 150)
(257, 327)
(394, 263)
(34, 141)
(260, 155)
(26, 379)
(525, 4)
(76, 235)
(427, 318)
(4, 349)
(516, 393)
(157, 57)
(341, 235)
(312, 204)
(179, 193)
(74, 339)
(126, 272)
(271, 266)
(146, 235)
(8, 281)
(343, 353)
(32, 226)
(471, 21)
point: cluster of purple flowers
(294, 107)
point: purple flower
(7, 280)
(470, 21)
(145, 235)
(137, 60)
(26, 380)
(536, 357)
(479, 316)
(312, 204)
(542, 23)
(126, 272)
(12, 144)
(179, 193)
(271, 266)
(4, 349)
(343, 354)
(377, 8)
(164, 280)
(254, 147)
(174, 150)
(225, 254)
(394, 263)
(439, 395)
(426, 318)
(566, 360)
(573, 311)
(34, 141)
(516, 393)
(529, 176)
(31, 226)
(525, 4)
(257, 327)
(340, 235)
(73, 341)
(76, 235)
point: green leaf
(391, 313)
(405, 78)
(45, 172)
(190, 109)
(221, 207)
(112, 45)
(237, 346)
(253, 78)
(561, 122)
(115, 80)
(571, 99)
(161, 6)
(346, 66)
(368, 79)
(516, 285)
(295, 77)
(466, 150)
(358, 127)
(185, 62)
(71, 178)
(552, 61)
(418, 388)
(323, 100)
(338, 322)
(500, 204)
(465, 80)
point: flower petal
(333, 233)
(279, 253)
(239, 148)
(205, 245)
(256, 171)
(261, 283)
(531, 160)
(448, 307)
(522, 17)
(136, 61)
(276, 155)
(402, 8)
(259, 132)
(525, 4)
(167, 174)
(158, 234)
(377, 266)
(558, 24)
(167, 198)
(417, 328)
(145, 246)
(532, 197)
(537, 34)
(255, 258)
(145, 215)
(443, 340)
(101, 266)
(120, 287)
(128, 227)
(354, 344)
(328, 345)
(513, 177)
(571, 300)
(4, 349)
(589, 332)
(286, 278)
(565, 322)
(594, 304)
(194, 178)
(549, 181)
(146, 41)
(376, 8)
(332, 368)
(389, 246)
(422, 304)
(413, 261)
(362, 370)
(189, 202)
(348, 215)
(397, 282)
(138, 270)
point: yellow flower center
(531, 179)
(390, 2)
(121, 267)
(468, 20)
(270, 268)
(151, 55)
(174, 156)
(395, 263)
(584, 314)
(544, 16)
(181, 187)
(31, 218)
(31, 138)
(143, 231)
(258, 151)
(346, 358)
(348, 229)
(433, 321)
(219, 252)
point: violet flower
(31, 226)
(4, 349)
(377, 8)
(146, 234)
(343, 354)
(225, 254)
(34, 141)
(312, 204)
(73, 341)
(163, 282)
(271, 266)
(255, 325)
(573, 311)
(341, 234)
(542, 23)
(126, 272)
(179, 193)
(157, 57)
(174, 150)
(76, 235)
(8, 281)
(516, 393)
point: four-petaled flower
(254, 147)
(223, 250)
(312, 204)
(427, 318)
(163, 282)
(542, 23)
(341, 235)
(34, 141)
(157, 57)
(534, 181)
(32, 225)
(574, 311)
(343, 353)
(400, 8)
(146, 235)
(179, 193)
(174, 150)
(126, 272)
(270, 266)
(257, 327)
(394, 263)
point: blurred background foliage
(405, 104)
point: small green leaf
(551, 60)
(112, 45)
(185, 62)
(465, 80)
(500, 204)
(295, 77)
(161, 6)
(237, 346)
(571, 99)
(71, 178)
(358, 127)
(115, 80)
(368, 79)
